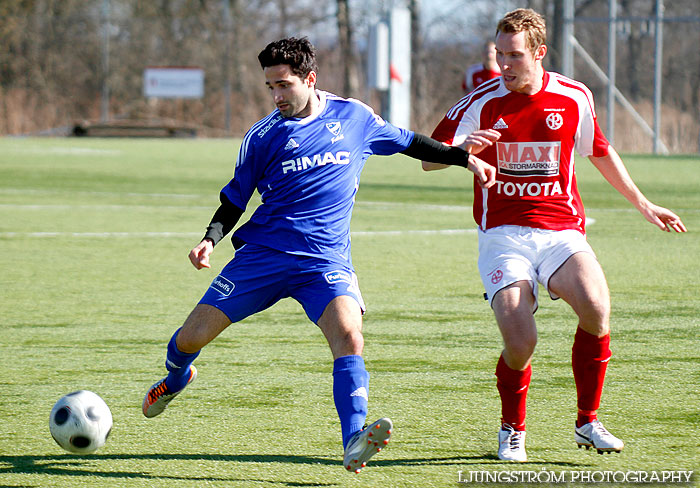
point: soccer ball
(80, 422)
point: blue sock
(178, 366)
(350, 392)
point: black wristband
(428, 149)
(224, 219)
(214, 232)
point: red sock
(512, 386)
(589, 360)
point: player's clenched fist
(485, 173)
(200, 254)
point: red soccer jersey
(477, 74)
(536, 180)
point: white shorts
(510, 253)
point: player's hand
(663, 218)
(479, 140)
(485, 173)
(199, 256)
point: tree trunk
(347, 60)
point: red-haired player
(528, 123)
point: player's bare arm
(428, 166)
(476, 142)
(614, 171)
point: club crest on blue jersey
(222, 285)
(335, 128)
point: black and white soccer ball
(80, 422)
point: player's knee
(598, 329)
(192, 339)
(518, 353)
(594, 318)
(346, 342)
(519, 340)
(353, 339)
(517, 360)
(187, 343)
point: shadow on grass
(69, 464)
(487, 459)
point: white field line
(373, 205)
(69, 150)
(31, 191)
(131, 235)
(68, 206)
(412, 232)
(416, 206)
(360, 204)
(185, 196)
(139, 235)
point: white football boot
(158, 395)
(366, 443)
(511, 444)
(594, 435)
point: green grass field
(94, 278)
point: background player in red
(478, 73)
(532, 223)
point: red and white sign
(173, 82)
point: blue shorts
(258, 277)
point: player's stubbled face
(516, 61)
(291, 94)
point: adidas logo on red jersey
(500, 124)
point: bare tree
(419, 73)
(346, 49)
(51, 65)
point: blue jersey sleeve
(245, 177)
(384, 138)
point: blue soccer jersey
(307, 172)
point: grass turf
(94, 236)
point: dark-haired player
(305, 160)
